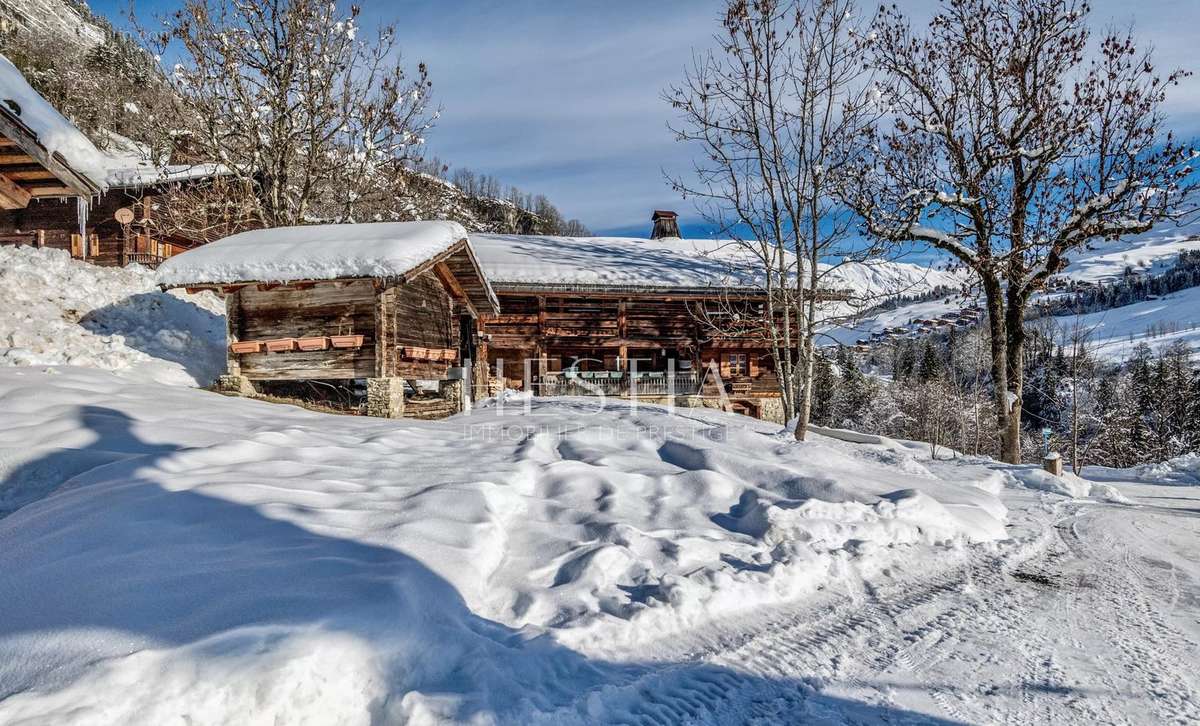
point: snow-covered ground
(62, 311)
(172, 553)
(1116, 331)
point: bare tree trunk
(1015, 359)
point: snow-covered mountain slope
(1150, 252)
(179, 552)
(1158, 323)
(1118, 329)
(62, 311)
(876, 280)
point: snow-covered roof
(131, 165)
(51, 130)
(323, 252)
(537, 261)
(145, 175)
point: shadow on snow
(114, 549)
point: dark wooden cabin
(57, 190)
(618, 316)
(388, 304)
(34, 171)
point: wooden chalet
(42, 157)
(57, 190)
(395, 305)
(622, 316)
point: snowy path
(1092, 615)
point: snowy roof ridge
(322, 252)
(617, 263)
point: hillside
(1117, 330)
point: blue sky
(562, 97)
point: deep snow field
(198, 541)
(169, 555)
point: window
(738, 364)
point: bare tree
(1013, 144)
(1085, 420)
(778, 113)
(316, 121)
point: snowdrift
(173, 553)
(63, 311)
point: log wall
(57, 220)
(554, 329)
(391, 319)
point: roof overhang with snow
(390, 251)
(42, 154)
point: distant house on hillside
(394, 305)
(589, 315)
(58, 190)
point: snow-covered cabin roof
(131, 165)
(148, 175)
(624, 263)
(44, 134)
(332, 252)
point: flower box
(346, 341)
(416, 353)
(319, 343)
(246, 346)
(449, 354)
(281, 345)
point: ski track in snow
(1069, 625)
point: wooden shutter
(753, 365)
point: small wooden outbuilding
(385, 303)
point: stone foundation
(385, 397)
(771, 409)
(235, 386)
(452, 391)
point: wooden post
(77, 246)
(384, 351)
(233, 331)
(39, 239)
(93, 246)
(233, 382)
(1053, 463)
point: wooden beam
(450, 281)
(29, 174)
(58, 191)
(6, 158)
(12, 195)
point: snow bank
(178, 554)
(54, 132)
(63, 311)
(1182, 470)
(316, 252)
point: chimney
(666, 224)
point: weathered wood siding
(420, 313)
(58, 220)
(328, 308)
(555, 328)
